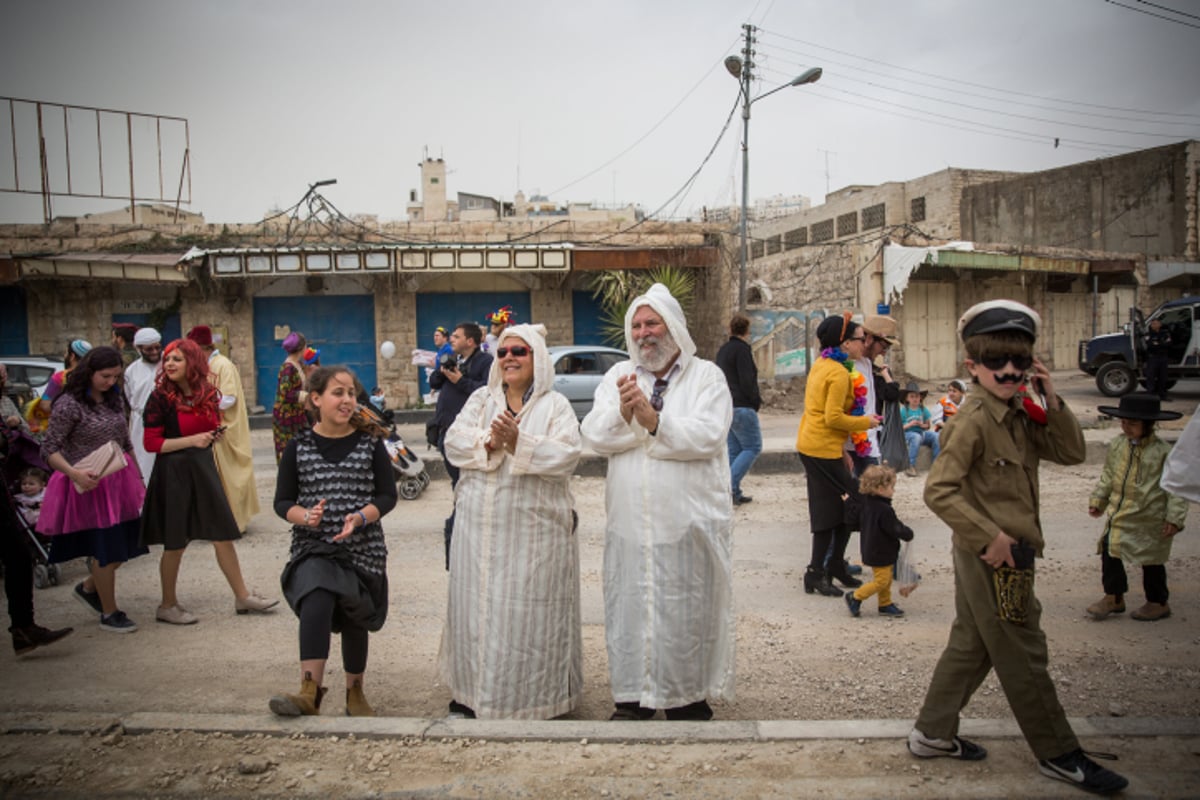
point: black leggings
(316, 625)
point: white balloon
(388, 349)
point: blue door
(171, 331)
(448, 309)
(342, 327)
(14, 325)
(587, 320)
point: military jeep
(1116, 359)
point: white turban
(146, 336)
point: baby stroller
(411, 476)
(23, 451)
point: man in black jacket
(745, 435)
(454, 380)
(1158, 358)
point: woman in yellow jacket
(835, 397)
(1142, 517)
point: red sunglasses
(517, 350)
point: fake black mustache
(1009, 378)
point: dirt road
(800, 657)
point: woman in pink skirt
(103, 520)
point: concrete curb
(660, 732)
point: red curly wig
(205, 396)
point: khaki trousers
(981, 641)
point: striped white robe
(511, 646)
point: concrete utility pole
(746, 76)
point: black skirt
(186, 501)
(828, 480)
(362, 599)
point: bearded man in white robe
(139, 383)
(662, 418)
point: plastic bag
(907, 577)
(893, 450)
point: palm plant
(616, 289)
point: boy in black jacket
(882, 533)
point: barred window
(917, 213)
(847, 224)
(795, 238)
(756, 249)
(822, 231)
(774, 244)
(873, 217)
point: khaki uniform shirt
(985, 481)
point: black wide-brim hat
(1139, 405)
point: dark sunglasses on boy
(517, 350)
(996, 363)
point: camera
(449, 362)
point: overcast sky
(617, 101)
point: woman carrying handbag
(87, 514)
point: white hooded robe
(668, 583)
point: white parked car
(578, 370)
(33, 371)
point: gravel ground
(800, 657)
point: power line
(979, 85)
(1167, 8)
(1141, 120)
(1171, 136)
(978, 127)
(1152, 14)
(645, 135)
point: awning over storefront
(899, 263)
(1173, 272)
(248, 262)
(150, 267)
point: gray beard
(664, 352)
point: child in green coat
(1142, 517)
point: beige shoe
(254, 602)
(1151, 612)
(175, 615)
(911, 472)
(356, 702)
(306, 702)
(1102, 608)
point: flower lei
(862, 444)
(1032, 407)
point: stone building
(1081, 244)
(346, 285)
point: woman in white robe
(511, 646)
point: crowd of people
(173, 421)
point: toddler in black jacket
(882, 533)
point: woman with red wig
(185, 499)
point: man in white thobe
(662, 418)
(139, 383)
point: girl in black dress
(185, 499)
(335, 483)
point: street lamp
(742, 68)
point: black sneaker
(117, 622)
(1077, 769)
(89, 599)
